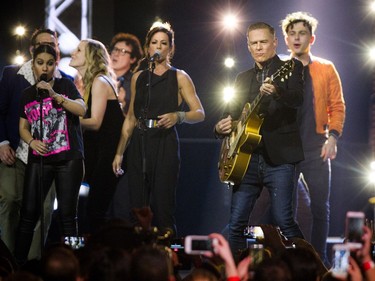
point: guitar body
(236, 149)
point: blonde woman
(154, 153)
(101, 125)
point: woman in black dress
(101, 127)
(154, 112)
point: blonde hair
(293, 18)
(97, 62)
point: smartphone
(198, 244)
(75, 242)
(354, 228)
(340, 260)
(256, 252)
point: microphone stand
(143, 132)
(41, 174)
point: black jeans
(68, 177)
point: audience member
(151, 263)
(59, 263)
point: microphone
(155, 56)
(42, 92)
(43, 77)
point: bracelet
(180, 117)
(64, 99)
(30, 141)
(368, 265)
(334, 136)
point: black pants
(67, 176)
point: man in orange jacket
(323, 100)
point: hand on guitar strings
(224, 126)
(267, 87)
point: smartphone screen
(201, 245)
(354, 226)
(195, 244)
(340, 262)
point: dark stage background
(345, 29)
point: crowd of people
(120, 251)
(118, 133)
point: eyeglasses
(120, 51)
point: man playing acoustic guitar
(271, 163)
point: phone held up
(199, 244)
(354, 229)
(340, 260)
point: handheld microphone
(42, 92)
(155, 56)
(43, 77)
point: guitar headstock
(285, 71)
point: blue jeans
(279, 180)
(317, 179)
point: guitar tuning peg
(282, 79)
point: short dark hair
(261, 25)
(132, 41)
(40, 31)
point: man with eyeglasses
(125, 51)
(13, 151)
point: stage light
(230, 22)
(68, 42)
(20, 31)
(229, 62)
(372, 54)
(372, 6)
(371, 173)
(19, 58)
(228, 93)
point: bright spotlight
(372, 6)
(372, 53)
(228, 93)
(372, 166)
(19, 58)
(371, 177)
(20, 31)
(229, 62)
(230, 22)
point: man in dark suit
(272, 163)
(13, 151)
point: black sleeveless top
(110, 130)
(164, 94)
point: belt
(147, 123)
